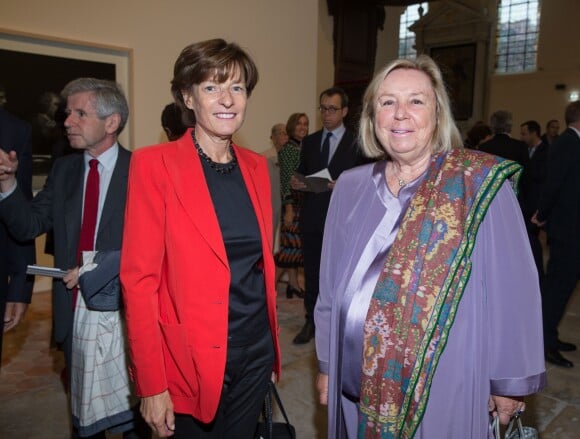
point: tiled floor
(33, 405)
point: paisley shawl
(417, 294)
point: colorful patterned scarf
(416, 297)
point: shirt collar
(106, 159)
(337, 132)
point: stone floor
(33, 404)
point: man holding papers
(83, 203)
(333, 149)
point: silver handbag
(520, 431)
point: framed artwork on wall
(457, 63)
(35, 68)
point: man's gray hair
(108, 97)
(501, 122)
(276, 126)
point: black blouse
(248, 316)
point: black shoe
(565, 347)
(555, 357)
(305, 335)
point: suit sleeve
(28, 219)
(21, 285)
(24, 175)
(513, 300)
(21, 254)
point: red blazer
(175, 274)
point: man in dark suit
(334, 147)
(501, 144)
(15, 285)
(533, 178)
(96, 112)
(559, 210)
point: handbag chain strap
(274, 392)
(509, 429)
(268, 408)
(268, 412)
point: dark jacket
(559, 202)
(533, 180)
(507, 147)
(59, 207)
(16, 255)
(315, 205)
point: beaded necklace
(222, 168)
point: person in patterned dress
(289, 257)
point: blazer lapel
(248, 168)
(317, 150)
(73, 204)
(185, 171)
(116, 192)
(344, 143)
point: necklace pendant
(402, 183)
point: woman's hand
(157, 410)
(322, 387)
(505, 407)
(288, 215)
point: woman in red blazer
(197, 267)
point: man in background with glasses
(333, 148)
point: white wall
(281, 36)
(325, 63)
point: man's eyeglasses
(330, 110)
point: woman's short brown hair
(211, 59)
(293, 122)
(446, 135)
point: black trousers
(537, 251)
(248, 370)
(311, 252)
(562, 273)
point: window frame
(516, 39)
(406, 37)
